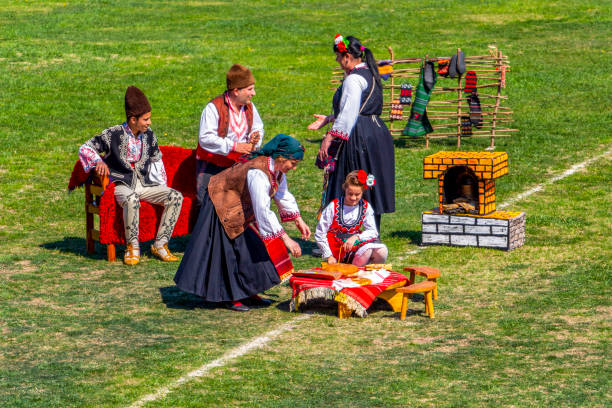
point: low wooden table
(350, 296)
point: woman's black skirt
(221, 269)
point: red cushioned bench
(100, 200)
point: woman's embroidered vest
(230, 195)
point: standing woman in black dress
(362, 139)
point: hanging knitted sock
(466, 126)
(385, 69)
(396, 110)
(418, 124)
(475, 110)
(405, 94)
(443, 65)
(470, 81)
(460, 63)
(452, 67)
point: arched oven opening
(460, 191)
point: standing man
(230, 126)
(133, 161)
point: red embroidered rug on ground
(347, 291)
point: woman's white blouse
(350, 103)
(267, 222)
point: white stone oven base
(470, 230)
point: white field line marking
(263, 340)
(256, 343)
(566, 173)
(539, 187)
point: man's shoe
(237, 306)
(262, 301)
(163, 253)
(132, 255)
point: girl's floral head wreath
(366, 180)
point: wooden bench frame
(93, 192)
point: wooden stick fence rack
(448, 104)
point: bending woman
(366, 141)
(227, 258)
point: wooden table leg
(404, 306)
(343, 311)
(393, 298)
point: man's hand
(348, 244)
(303, 228)
(254, 138)
(292, 246)
(243, 148)
(331, 260)
(321, 121)
(102, 169)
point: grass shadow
(78, 246)
(314, 306)
(174, 298)
(414, 236)
(307, 247)
(75, 246)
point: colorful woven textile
(346, 291)
(418, 124)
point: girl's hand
(331, 260)
(321, 121)
(348, 244)
(303, 228)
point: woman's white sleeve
(325, 222)
(286, 203)
(350, 103)
(259, 188)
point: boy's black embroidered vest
(113, 144)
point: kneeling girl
(347, 230)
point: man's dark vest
(222, 130)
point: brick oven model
(466, 215)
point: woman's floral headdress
(341, 43)
(367, 180)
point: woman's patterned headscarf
(280, 145)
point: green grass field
(529, 327)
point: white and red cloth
(346, 291)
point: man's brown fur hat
(136, 103)
(239, 77)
